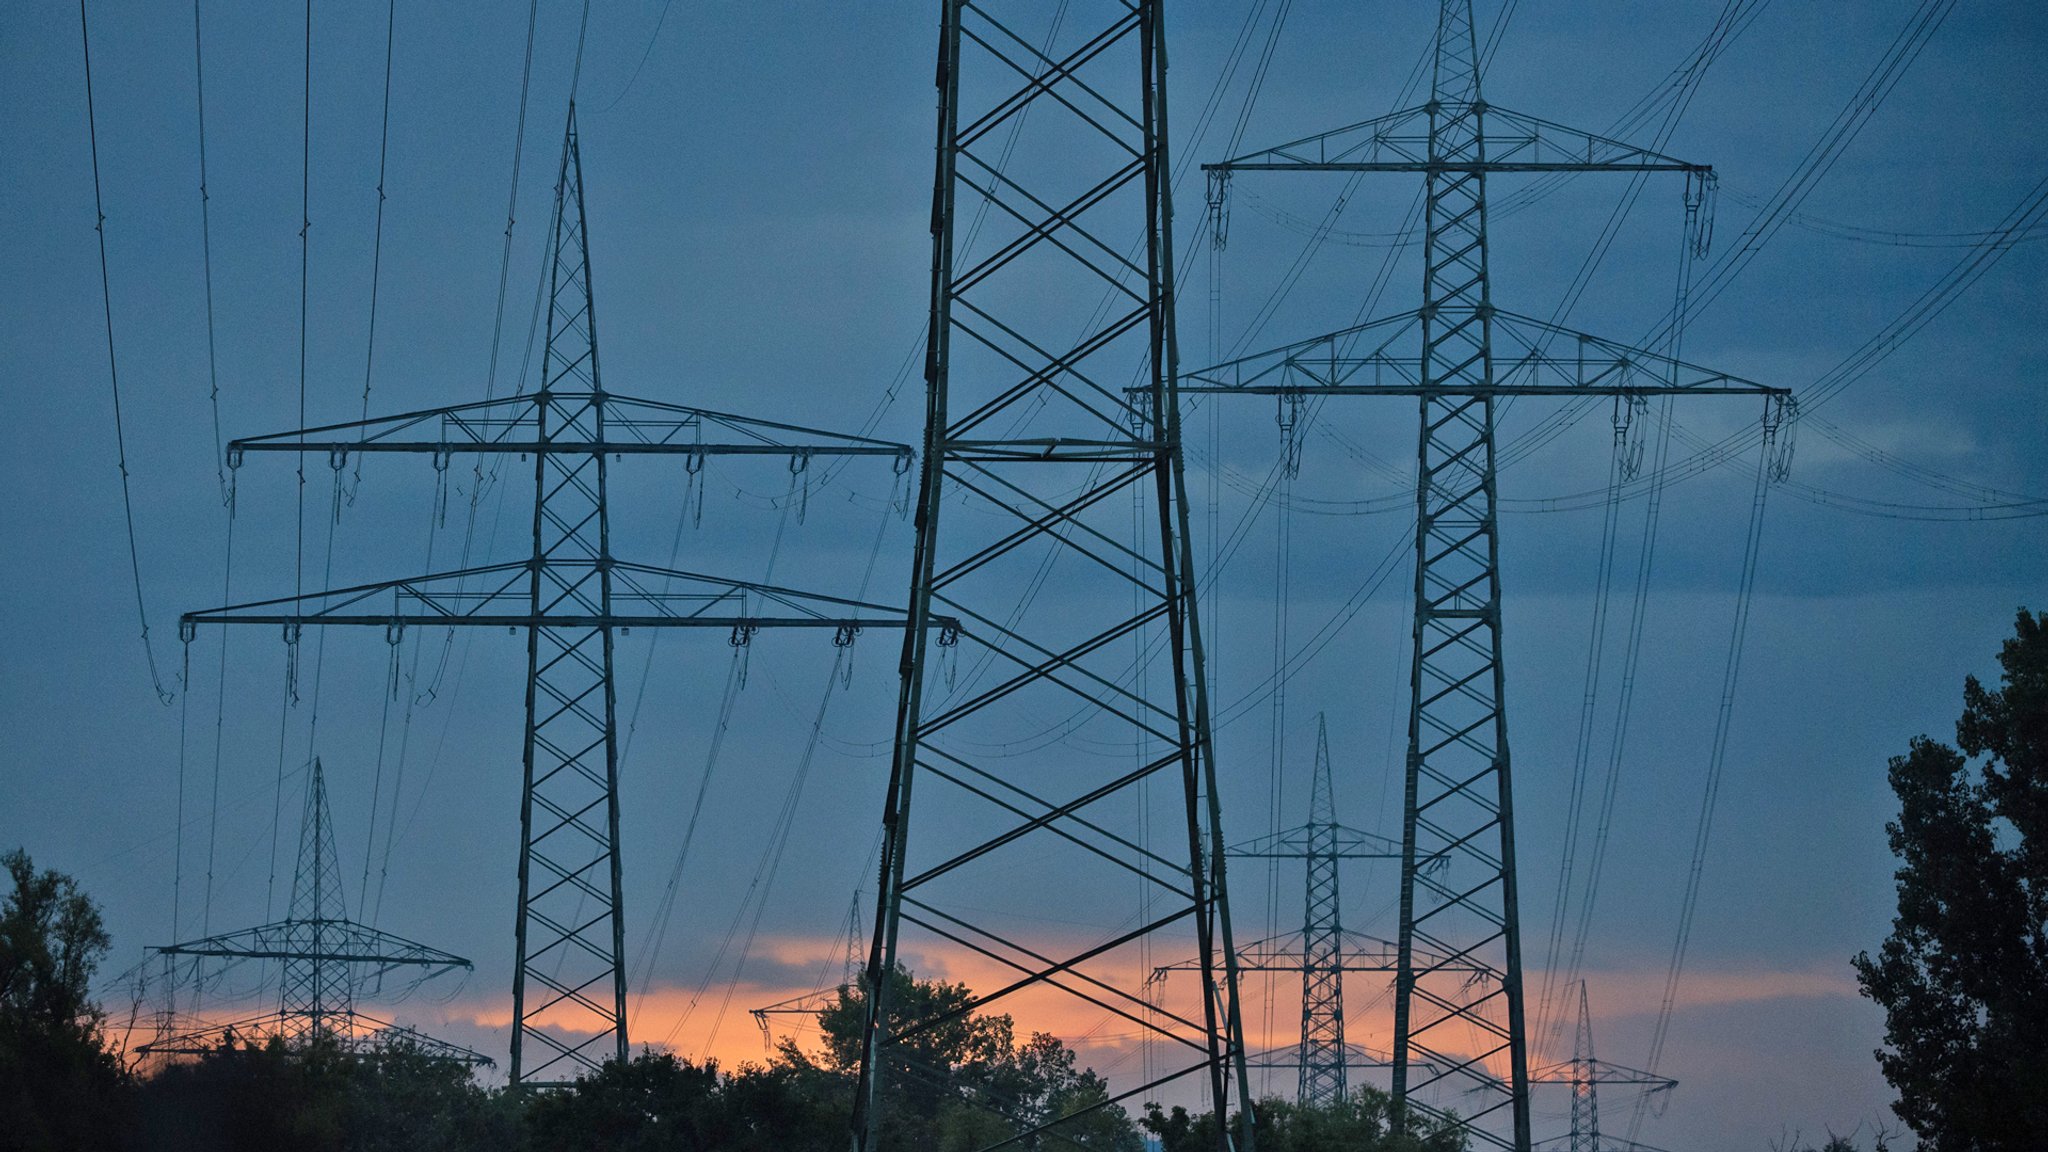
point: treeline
(957, 1080)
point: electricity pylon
(1322, 945)
(324, 956)
(572, 597)
(1052, 289)
(1458, 902)
(1324, 950)
(1584, 1073)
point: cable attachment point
(949, 654)
(188, 630)
(742, 634)
(1288, 417)
(441, 457)
(394, 636)
(1631, 411)
(843, 636)
(1702, 189)
(800, 480)
(1781, 424)
(1219, 208)
(291, 662)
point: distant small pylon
(323, 954)
(1584, 1073)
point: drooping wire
(1888, 237)
(178, 846)
(220, 696)
(99, 227)
(647, 52)
(1551, 1008)
(1791, 193)
(785, 822)
(582, 34)
(1582, 745)
(1710, 794)
(1906, 48)
(762, 884)
(227, 493)
(299, 539)
(1283, 551)
(2030, 212)
(511, 207)
(206, 252)
(377, 241)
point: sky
(758, 180)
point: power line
(645, 53)
(1703, 830)
(99, 227)
(377, 244)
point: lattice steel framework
(1053, 146)
(1322, 939)
(1324, 949)
(1460, 1037)
(572, 597)
(1584, 1073)
(1585, 1135)
(324, 956)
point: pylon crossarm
(355, 1031)
(1361, 953)
(1289, 1056)
(341, 941)
(1599, 1072)
(513, 424)
(499, 595)
(1348, 844)
(1399, 142)
(1531, 357)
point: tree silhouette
(1963, 977)
(57, 1075)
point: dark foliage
(323, 1099)
(960, 1080)
(57, 1076)
(1361, 1122)
(1963, 977)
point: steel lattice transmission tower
(1324, 950)
(1052, 291)
(1322, 940)
(1459, 1034)
(1584, 1073)
(324, 956)
(572, 597)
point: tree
(321, 1097)
(1361, 1122)
(59, 1081)
(1963, 977)
(958, 1079)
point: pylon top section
(1531, 357)
(317, 901)
(543, 421)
